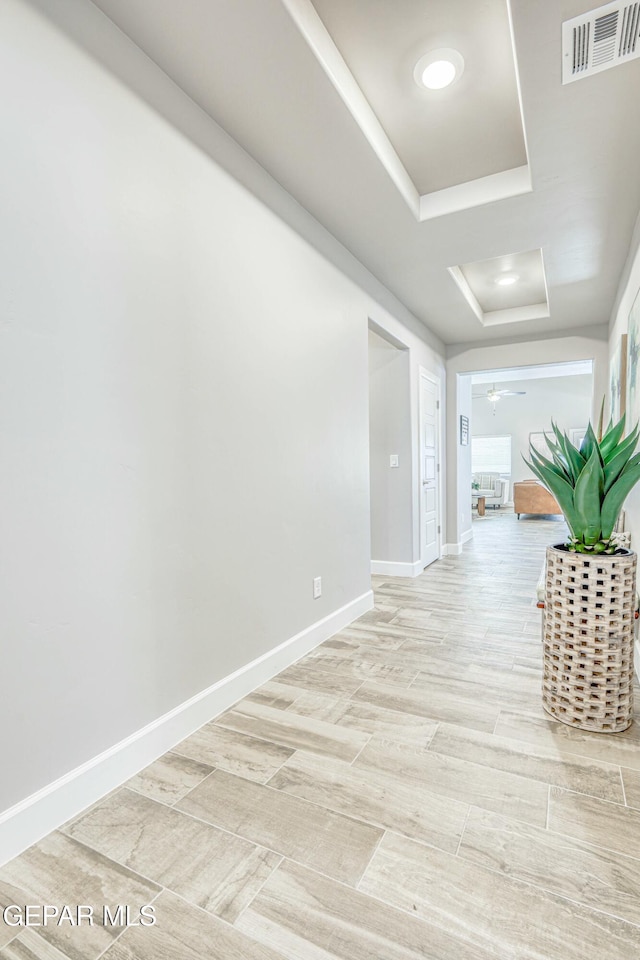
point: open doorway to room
(515, 407)
(405, 459)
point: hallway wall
(390, 433)
(184, 415)
(628, 291)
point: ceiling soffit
(508, 289)
(445, 150)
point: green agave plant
(590, 483)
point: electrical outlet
(393, 460)
(317, 587)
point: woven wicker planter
(588, 639)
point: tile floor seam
(596, 846)
(207, 913)
(579, 793)
(259, 890)
(267, 782)
(352, 695)
(124, 929)
(230, 730)
(168, 889)
(624, 792)
(369, 861)
(531, 750)
(573, 753)
(464, 827)
(173, 806)
(361, 749)
(191, 816)
(438, 724)
(513, 880)
(553, 893)
(338, 813)
(119, 863)
(546, 824)
(522, 776)
(276, 743)
(163, 803)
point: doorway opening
(404, 459)
(390, 457)
(510, 409)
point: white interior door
(429, 471)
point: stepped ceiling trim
(428, 206)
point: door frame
(423, 373)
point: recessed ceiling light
(438, 68)
(506, 279)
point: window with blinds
(491, 455)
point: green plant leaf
(616, 464)
(545, 464)
(588, 444)
(601, 420)
(557, 466)
(587, 498)
(559, 487)
(590, 484)
(616, 496)
(558, 455)
(612, 438)
(575, 458)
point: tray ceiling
(468, 130)
(251, 68)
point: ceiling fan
(493, 395)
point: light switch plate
(393, 460)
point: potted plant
(590, 594)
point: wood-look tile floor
(397, 794)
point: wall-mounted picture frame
(618, 379)
(633, 356)
(464, 431)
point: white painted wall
(567, 400)
(463, 360)
(184, 410)
(627, 293)
(390, 433)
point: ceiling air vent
(600, 39)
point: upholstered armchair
(492, 487)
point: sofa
(529, 496)
(492, 487)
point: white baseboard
(48, 808)
(451, 549)
(393, 568)
(455, 549)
